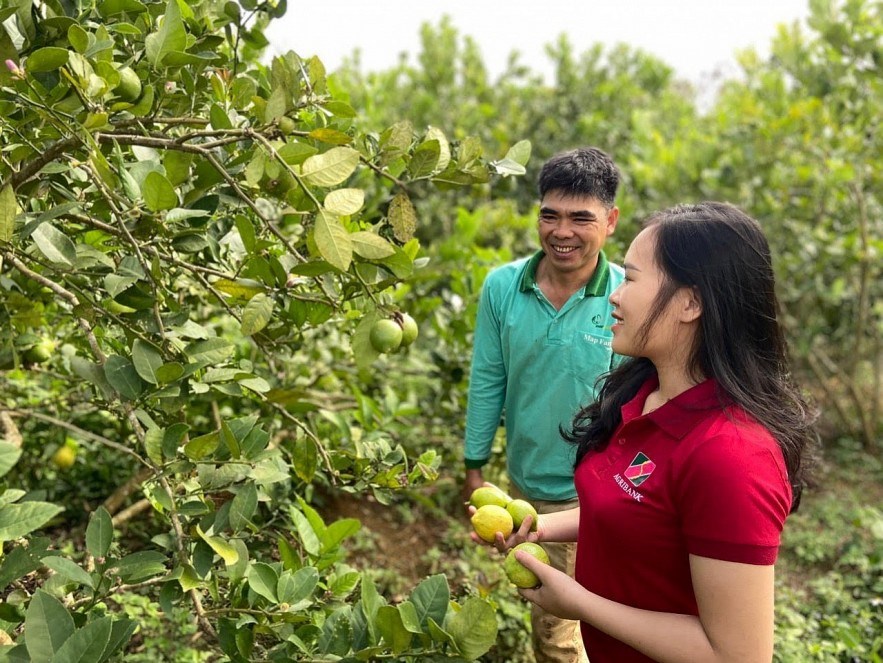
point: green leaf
(431, 598)
(170, 37)
(474, 628)
(86, 645)
(337, 633)
(371, 246)
(8, 212)
(99, 533)
(227, 552)
(305, 459)
(121, 632)
(520, 152)
(55, 245)
(123, 377)
(410, 620)
(297, 589)
(333, 241)
(147, 360)
(141, 565)
(67, 568)
(243, 507)
(425, 159)
(308, 537)
(49, 58)
(9, 455)
(209, 351)
(257, 314)
(330, 136)
(19, 519)
(331, 167)
(240, 288)
(158, 192)
(363, 351)
(392, 629)
(344, 202)
(402, 217)
(507, 167)
(47, 625)
(262, 578)
(202, 446)
(338, 531)
(444, 148)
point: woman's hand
(557, 594)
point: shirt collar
(680, 415)
(596, 287)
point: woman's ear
(690, 307)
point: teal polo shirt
(537, 367)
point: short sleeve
(734, 496)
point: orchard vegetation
(221, 438)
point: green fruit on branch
(521, 509)
(129, 87)
(490, 519)
(286, 125)
(385, 335)
(484, 495)
(518, 574)
(409, 329)
(41, 352)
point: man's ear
(612, 219)
(690, 305)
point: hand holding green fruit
(518, 574)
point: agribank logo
(640, 469)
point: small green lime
(409, 329)
(41, 352)
(490, 519)
(518, 574)
(129, 88)
(521, 509)
(488, 495)
(385, 335)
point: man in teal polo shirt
(542, 340)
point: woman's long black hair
(721, 252)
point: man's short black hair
(585, 171)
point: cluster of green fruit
(390, 334)
(496, 512)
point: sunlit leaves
(8, 212)
(333, 241)
(55, 245)
(170, 37)
(331, 167)
(257, 314)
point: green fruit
(521, 509)
(129, 88)
(409, 329)
(490, 519)
(488, 495)
(41, 352)
(286, 125)
(518, 574)
(64, 457)
(385, 335)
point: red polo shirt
(691, 477)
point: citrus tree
(202, 259)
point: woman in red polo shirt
(690, 461)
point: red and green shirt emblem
(640, 469)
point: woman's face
(634, 302)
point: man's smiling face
(573, 230)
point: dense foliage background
(204, 459)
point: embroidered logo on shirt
(640, 469)
(597, 320)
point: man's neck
(559, 286)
